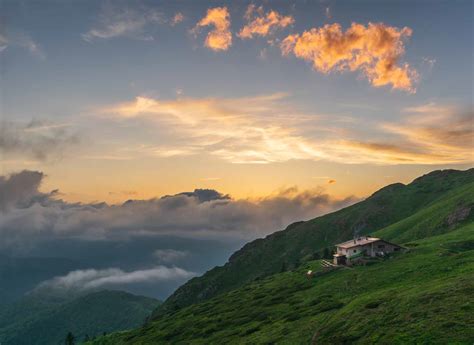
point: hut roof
(360, 241)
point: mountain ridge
(412, 297)
(301, 241)
(40, 319)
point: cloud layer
(220, 37)
(375, 50)
(28, 215)
(266, 129)
(94, 279)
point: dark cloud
(195, 230)
(37, 140)
(204, 195)
(19, 190)
(206, 214)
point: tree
(70, 339)
(87, 338)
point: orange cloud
(432, 134)
(374, 49)
(444, 130)
(177, 18)
(220, 38)
(266, 129)
(262, 24)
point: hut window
(381, 246)
(396, 249)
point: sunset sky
(148, 140)
(131, 100)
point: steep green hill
(418, 296)
(39, 319)
(304, 241)
(423, 296)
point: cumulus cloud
(124, 21)
(93, 279)
(263, 24)
(375, 50)
(38, 140)
(36, 216)
(220, 37)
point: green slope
(40, 319)
(423, 296)
(447, 213)
(303, 241)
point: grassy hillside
(304, 241)
(39, 319)
(418, 297)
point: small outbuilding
(363, 246)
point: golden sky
(132, 101)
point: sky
(276, 111)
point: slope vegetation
(304, 241)
(410, 298)
(419, 296)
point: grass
(395, 209)
(418, 297)
(438, 217)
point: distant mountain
(304, 241)
(19, 275)
(414, 297)
(39, 319)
